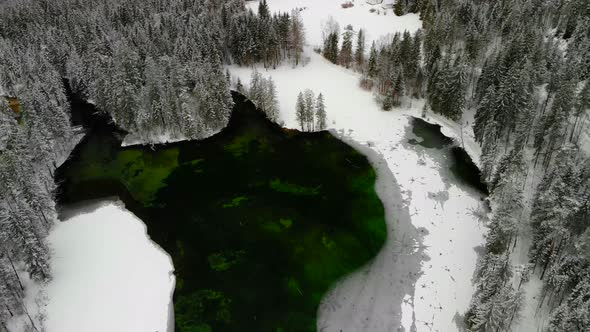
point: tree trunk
(29, 316)
(15, 273)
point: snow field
(315, 12)
(107, 274)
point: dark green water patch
(260, 221)
(465, 170)
(429, 134)
(459, 162)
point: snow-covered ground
(315, 13)
(107, 274)
(377, 298)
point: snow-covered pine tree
(372, 63)
(359, 52)
(309, 102)
(296, 37)
(320, 114)
(270, 100)
(300, 111)
(345, 55)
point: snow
(450, 231)
(315, 12)
(107, 274)
(131, 140)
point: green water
(259, 221)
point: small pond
(259, 221)
(460, 163)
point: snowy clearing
(444, 213)
(107, 273)
(314, 13)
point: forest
(520, 68)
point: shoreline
(385, 286)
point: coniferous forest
(521, 68)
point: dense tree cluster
(395, 68)
(264, 38)
(156, 66)
(35, 135)
(262, 92)
(311, 112)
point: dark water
(460, 165)
(260, 221)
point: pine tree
(309, 100)
(296, 37)
(271, 102)
(398, 90)
(263, 12)
(372, 64)
(359, 53)
(256, 91)
(239, 86)
(320, 113)
(399, 8)
(331, 47)
(574, 314)
(300, 111)
(345, 56)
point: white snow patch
(107, 274)
(131, 139)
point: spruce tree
(359, 53)
(309, 100)
(331, 47)
(271, 102)
(296, 37)
(263, 12)
(345, 56)
(320, 113)
(239, 86)
(372, 64)
(300, 111)
(399, 8)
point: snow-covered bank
(362, 300)
(107, 274)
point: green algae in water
(235, 202)
(260, 222)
